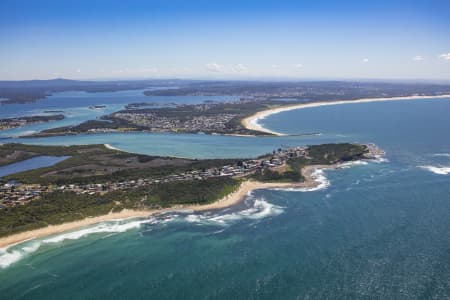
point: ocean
(375, 230)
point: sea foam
(259, 209)
(14, 253)
(318, 176)
(437, 170)
(106, 227)
(352, 163)
(442, 154)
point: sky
(199, 39)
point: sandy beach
(245, 188)
(251, 122)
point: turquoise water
(379, 230)
(186, 145)
(30, 164)
(75, 107)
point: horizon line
(243, 79)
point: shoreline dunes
(246, 187)
(252, 122)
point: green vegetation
(61, 207)
(175, 193)
(11, 153)
(325, 154)
(268, 175)
(97, 164)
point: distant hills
(33, 90)
(58, 82)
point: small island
(101, 182)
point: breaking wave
(380, 159)
(259, 209)
(352, 163)
(437, 170)
(442, 154)
(107, 227)
(319, 177)
(14, 253)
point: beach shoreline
(251, 122)
(234, 198)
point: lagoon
(30, 164)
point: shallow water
(377, 230)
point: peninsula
(97, 183)
(10, 123)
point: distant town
(203, 118)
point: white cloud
(141, 71)
(275, 67)
(228, 69)
(445, 56)
(239, 68)
(418, 58)
(78, 71)
(214, 67)
(365, 60)
(298, 66)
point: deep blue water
(380, 230)
(30, 164)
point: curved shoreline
(234, 198)
(251, 122)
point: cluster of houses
(12, 194)
(157, 123)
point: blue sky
(307, 39)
